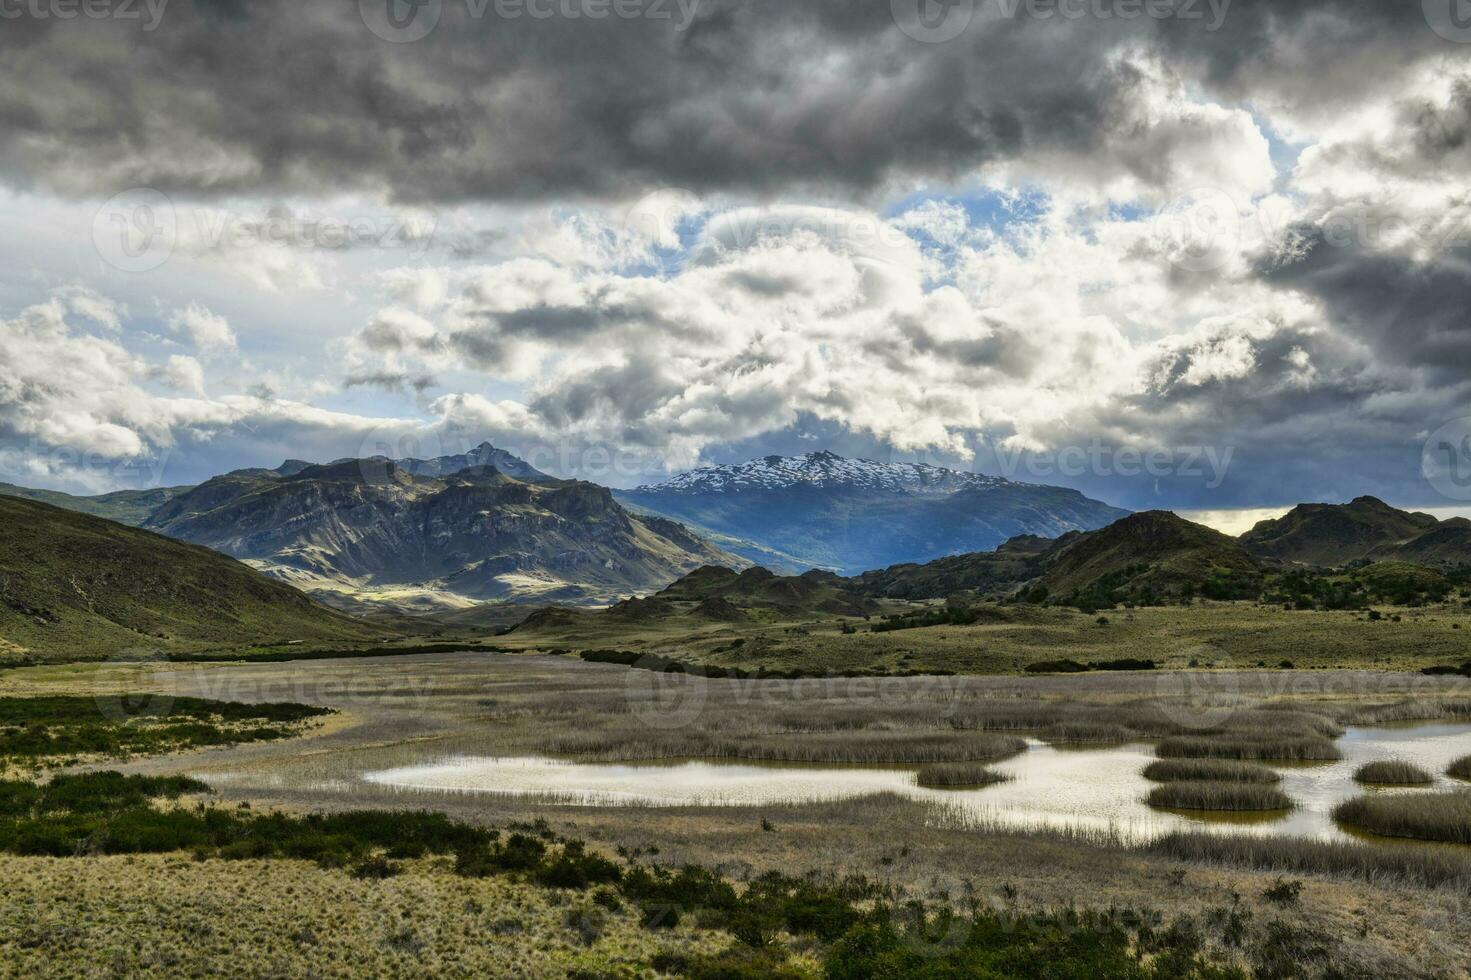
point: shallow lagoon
(1091, 788)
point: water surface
(1095, 788)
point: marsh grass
(1393, 772)
(1209, 771)
(1285, 748)
(1218, 796)
(958, 775)
(844, 748)
(1088, 732)
(1419, 816)
(1431, 867)
(1460, 769)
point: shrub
(375, 868)
(1056, 667)
(1283, 891)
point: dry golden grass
(171, 917)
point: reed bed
(1218, 796)
(1286, 748)
(870, 748)
(1410, 709)
(1432, 867)
(1460, 769)
(1419, 816)
(958, 775)
(1393, 772)
(1210, 771)
(1080, 732)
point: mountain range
(449, 531)
(453, 532)
(821, 510)
(1146, 558)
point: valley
(1336, 901)
(511, 726)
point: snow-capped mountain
(821, 510)
(823, 470)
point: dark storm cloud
(284, 96)
(1410, 312)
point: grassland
(1363, 911)
(1008, 638)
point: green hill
(130, 507)
(981, 573)
(77, 587)
(1150, 557)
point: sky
(1207, 256)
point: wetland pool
(1096, 788)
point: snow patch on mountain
(824, 470)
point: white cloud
(206, 330)
(185, 374)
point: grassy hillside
(1007, 639)
(76, 587)
(1147, 558)
(130, 507)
